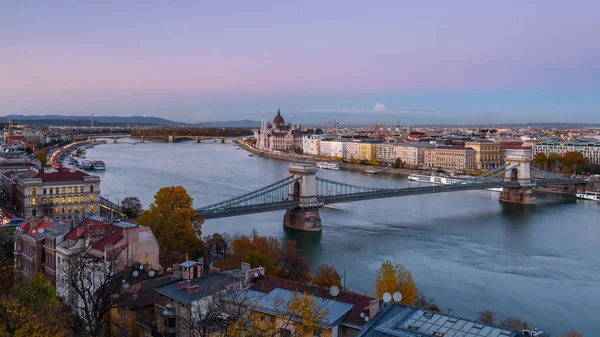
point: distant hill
(85, 120)
(244, 123)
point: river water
(465, 249)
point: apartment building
(367, 150)
(590, 150)
(452, 158)
(337, 148)
(351, 150)
(325, 148)
(385, 152)
(412, 153)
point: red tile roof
(62, 174)
(35, 233)
(266, 284)
(111, 234)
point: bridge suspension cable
(326, 187)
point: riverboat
(86, 165)
(328, 166)
(80, 152)
(443, 180)
(98, 165)
(587, 195)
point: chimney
(80, 230)
(373, 308)
(184, 284)
(193, 289)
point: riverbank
(343, 166)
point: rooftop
(61, 174)
(396, 320)
(208, 285)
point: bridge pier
(115, 140)
(520, 161)
(305, 217)
(198, 140)
(170, 139)
(222, 140)
(141, 141)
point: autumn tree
(41, 156)
(487, 317)
(291, 264)
(512, 323)
(540, 160)
(327, 276)
(392, 278)
(172, 220)
(131, 206)
(573, 333)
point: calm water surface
(465, 249)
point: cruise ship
(442, 180)
(587, 195)
(328, 166)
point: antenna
(387, 297)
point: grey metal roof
(270, 303)
(209, 285)
(188, 264)
(396, 320)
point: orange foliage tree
(392, 278)
(327, 276)
(172, 219)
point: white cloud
(379, 107)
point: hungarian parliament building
(278, 136)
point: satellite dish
(366, 318)
(136, 273)
(334, 290)
(141, 267)
(125, 285)
(41, 230)
(387, 297)
(33, 231)
(397, 296)
(151, 273)
(362, 315)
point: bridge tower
(519, 161)
(305, 217)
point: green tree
(29, 150)
(392, 278)
(540, 160)
(7, 240)
(131, 206)
(172, 220)
(41, 156)
(327, 276)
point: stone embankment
(298, 158)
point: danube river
(465, 249)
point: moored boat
(444, 180)
(98, 165)
(587, 195)
(328, 166)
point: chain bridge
(303, 193)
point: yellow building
(453, 158)
(366, 150)
(487, 154)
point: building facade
(278, 136)
(351, 150)
(58, 193)
(367, 150)
(487, 154)
(452, 158)
(385, 152)
(337, 148)
(590, 150)
(412, 153)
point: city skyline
(448, 63)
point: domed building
(278, 136)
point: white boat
(443, 180)
(328, 166)
(587, 195)
(98, 165)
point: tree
(7, 240)
(512, 323)
(573, 333)
(487, 317)
(392, 278)
(398, 163)
(364, 162)
(29, 150)
(540, 160)
(291, 265)
(92, 287)
(131, 206)
(41, 156)
(327, 276)
(338, 159)
(172, 220)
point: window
(77, 189)
(82, 198)
(182, 332)
(63, 190)
(91, 188)
(44, 201)
(169, 322)
(91, 198)
(69, 208)
(33, 201)
(76, 199)
(70, 200)
(56, 191)
(70, 190)
(64, 200)
(56, 210)
(44, 191)
(57, 200)
(81, 209)
(64, 210)
(91, 208)
(33, 191)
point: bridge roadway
(228, 211)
